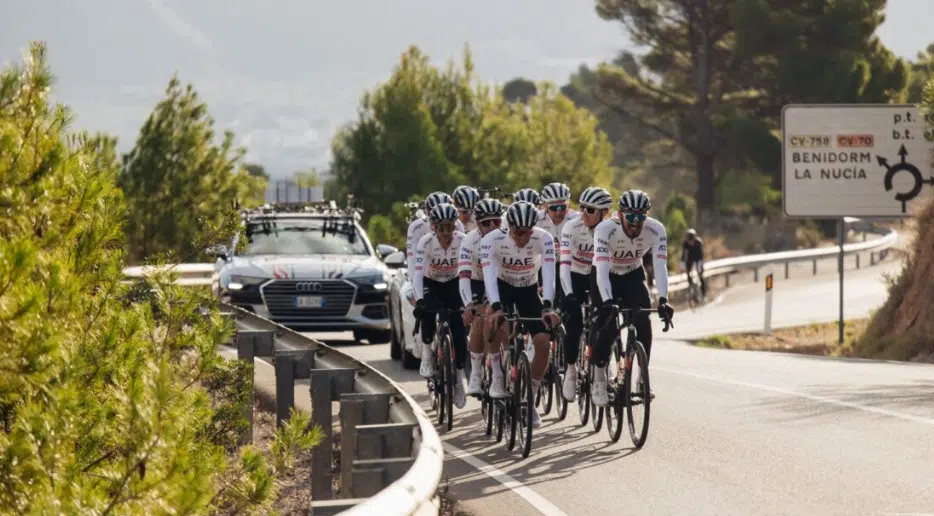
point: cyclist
(556, 212)
(421, 227)
(576, 274)
(435, 288)
(619, 246)
(692, 252)
(489, 214)
(528, 195)
(510, 260)
(465, 198)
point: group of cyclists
(474, 256)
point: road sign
(856, 160)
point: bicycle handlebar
(635, 311)
(558, 328)
(418, 320)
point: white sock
(497, 366)
(460, 374)
(476, 361)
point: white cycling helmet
(554, 192)
(443, 212)
(522, 215)
(436, 198)
(488, 208)
(597, 198)
(635, 200)
(527, 195)
(466, 197)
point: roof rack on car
(327, 208)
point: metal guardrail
(391, 456)
(877, 247)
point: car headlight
(238, 282)
(374, 281)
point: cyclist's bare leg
(497, 388)
(475, 345)
(542, 343)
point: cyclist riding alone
(421, 227)
(489, 213)
(692, 252)
(510, 260)
(435, 288)
(465, 198)
(577, 277)
(619, 247)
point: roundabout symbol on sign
(903, 166)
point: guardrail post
(358, 409)
(373, 475)
(814, 267)
(857, 260)
(755, 275)
(872, 258)
(252, 344)
(326, 386)
(290, 365)
(787, 264)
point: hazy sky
(283, 74)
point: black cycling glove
(419, 309)
(665, 311)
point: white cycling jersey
(502, 259)
(470, 225)
(545, 222)
(435, 262)
(576, 251)
(468, 267)
(417, 229)
(616, 253)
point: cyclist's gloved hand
(569, 303)
(665, 311)
(419, 309)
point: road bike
(694, 297)
(441, 383)
(620, 390)
(515, 409)
(549, 391)
(585, 371)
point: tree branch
(660, 130)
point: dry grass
(294, 490)
(449, 504)
(813, 339)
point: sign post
(768, 302)
(855, 160)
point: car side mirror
(384, 250)
(218, 251)
(395, 260)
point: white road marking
(812, 397)
(535, 500)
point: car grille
(279, 297)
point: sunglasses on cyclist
(589, 210)
(634, 216)
(490, 222)
(445, 227)
(521, 232)
(558, 207)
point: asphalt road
(732, 432)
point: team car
(310, 267)
(405, 345)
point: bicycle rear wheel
(637, 394)
(449, 378)
(487, 407)
(439, 382)
(523, 405)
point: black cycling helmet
(443, 212)
(488, 209)
(466, 197)
(522, 215)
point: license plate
(309, 301)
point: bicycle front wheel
(449, 378)
(524, 404)
(557, 366)
(637, 394)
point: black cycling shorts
(526, 303)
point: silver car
(309, 269)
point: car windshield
(303, 236)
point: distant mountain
(284, 74)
